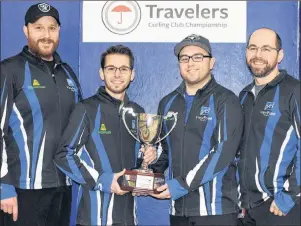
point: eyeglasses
(112, 70)
(195, 58)
(263, 49)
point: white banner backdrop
(164, 21)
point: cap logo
(44, 7)
(193, 37)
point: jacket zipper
(121, 162)
(124, 213)
(53, 77)
(184, 211)
(120, 139)
(182, 155)
(247, 135)
(182, 167)
(59, 114)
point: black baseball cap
(39, 10)
(193, 40)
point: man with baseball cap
(37, 11)
(38, 92)
(202, 147)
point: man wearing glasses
(269, 166)
(202, 147)
(96, 147)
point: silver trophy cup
(149, 127)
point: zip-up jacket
(270, 155)
(202, 152)
(35, 107)
(94, 146)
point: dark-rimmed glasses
(195, 58)
(124, 70)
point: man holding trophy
(96, 146)
(203, 145)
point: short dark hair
(278, 39)
(118, 49)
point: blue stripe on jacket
(37, 120)
(15, 125)
(265, 149)
(219, 194)
(208, 132)
(167, 107)
(75, 170)
(2, 93)
(105, 163)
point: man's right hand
(115, 188)
(10, 206)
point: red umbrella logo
(121, 9)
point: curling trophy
(144, 181)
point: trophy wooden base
(143, 182)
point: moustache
(259, 60)
(46, 40)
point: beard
(117, 89)
(34, 47)
(261, 72)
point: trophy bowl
(144, 181)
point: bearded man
(38, 93)
(269, 166)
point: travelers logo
(44, 7)
(121, 17)
(103, 130)
(204, 114)
(268, 109)
(36, 85)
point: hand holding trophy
(143, 180)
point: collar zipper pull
(53, 77)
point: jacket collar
(274, 82)
(103, 94)
(36, 59)
(207, 88)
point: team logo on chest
(268, 109)
(70, 85)
(36, 85)
(103, 129)
(204, 114)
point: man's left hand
(275, 210)
(164, 192)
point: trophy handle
(175, 116)
(131, 111)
